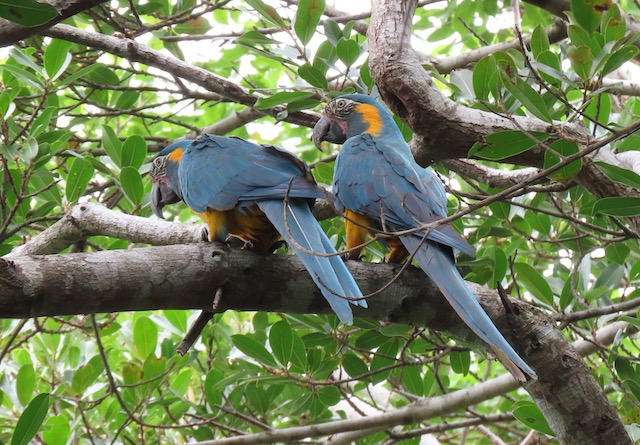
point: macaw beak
(327, 130)
(161, 195)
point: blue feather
(329, 273)
(439, 266)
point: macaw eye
(341, 104)
(158, 162)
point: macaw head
(164, 176)
(350, 115)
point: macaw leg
(356, 232)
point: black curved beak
(162, 195)
(327, 130)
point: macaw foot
(205, 234)
(278, 244)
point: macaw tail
(439, 266)
(329, 273)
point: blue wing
(220, 173)
(384, 184)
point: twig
(196, 329)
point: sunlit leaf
(564, 148)
(253, 349)
(268, 12)
(307, 19)
(348, 51)
(504, 144)
(57, 58)
(28, 13)
(31, 419)
(145, 336)
(283, 97)
(80, 173)
(529, 414)
(533, 281)
(617, 206)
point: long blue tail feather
(439, 266)
(329, 273)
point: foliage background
(79, 124)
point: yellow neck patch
(176, 155)
(370, 115)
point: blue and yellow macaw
(239, 189)
(378, 185)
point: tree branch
(136, 52)
(151, 278)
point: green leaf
(283, 97)
(57, 58)
(134, 152)
(529, 414)
(614, 27)
(499, 264)
(539, 41)
(385, 356)
(332, 32)
(80, 173)
(585, 15)
(484, 73)
(30, 420)
(25, 383)
(24, 76)
(534, 282)
(329, 395)
(307, 19)
(267, 12)
(581, 60)
(27, 13)
(29, 149)
(460, 362)
(618, 58)
(526, 95)
(412, 380)
(253, 349)
(353, 365)
(617, 206)
(504, 144)
(132, 185)
(348, 51)
(145, 336)
(103, 75)
(127, 100)
(618, 174)
(281, 341)
(112, 145)
(212, 393)
(314, 76)
(564, 148)
(56, 430)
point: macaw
(239, 189)
(379, 186)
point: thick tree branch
(85, 220)
(442, 128)
(11, 32)
(152, 278)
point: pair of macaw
(239, 189)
